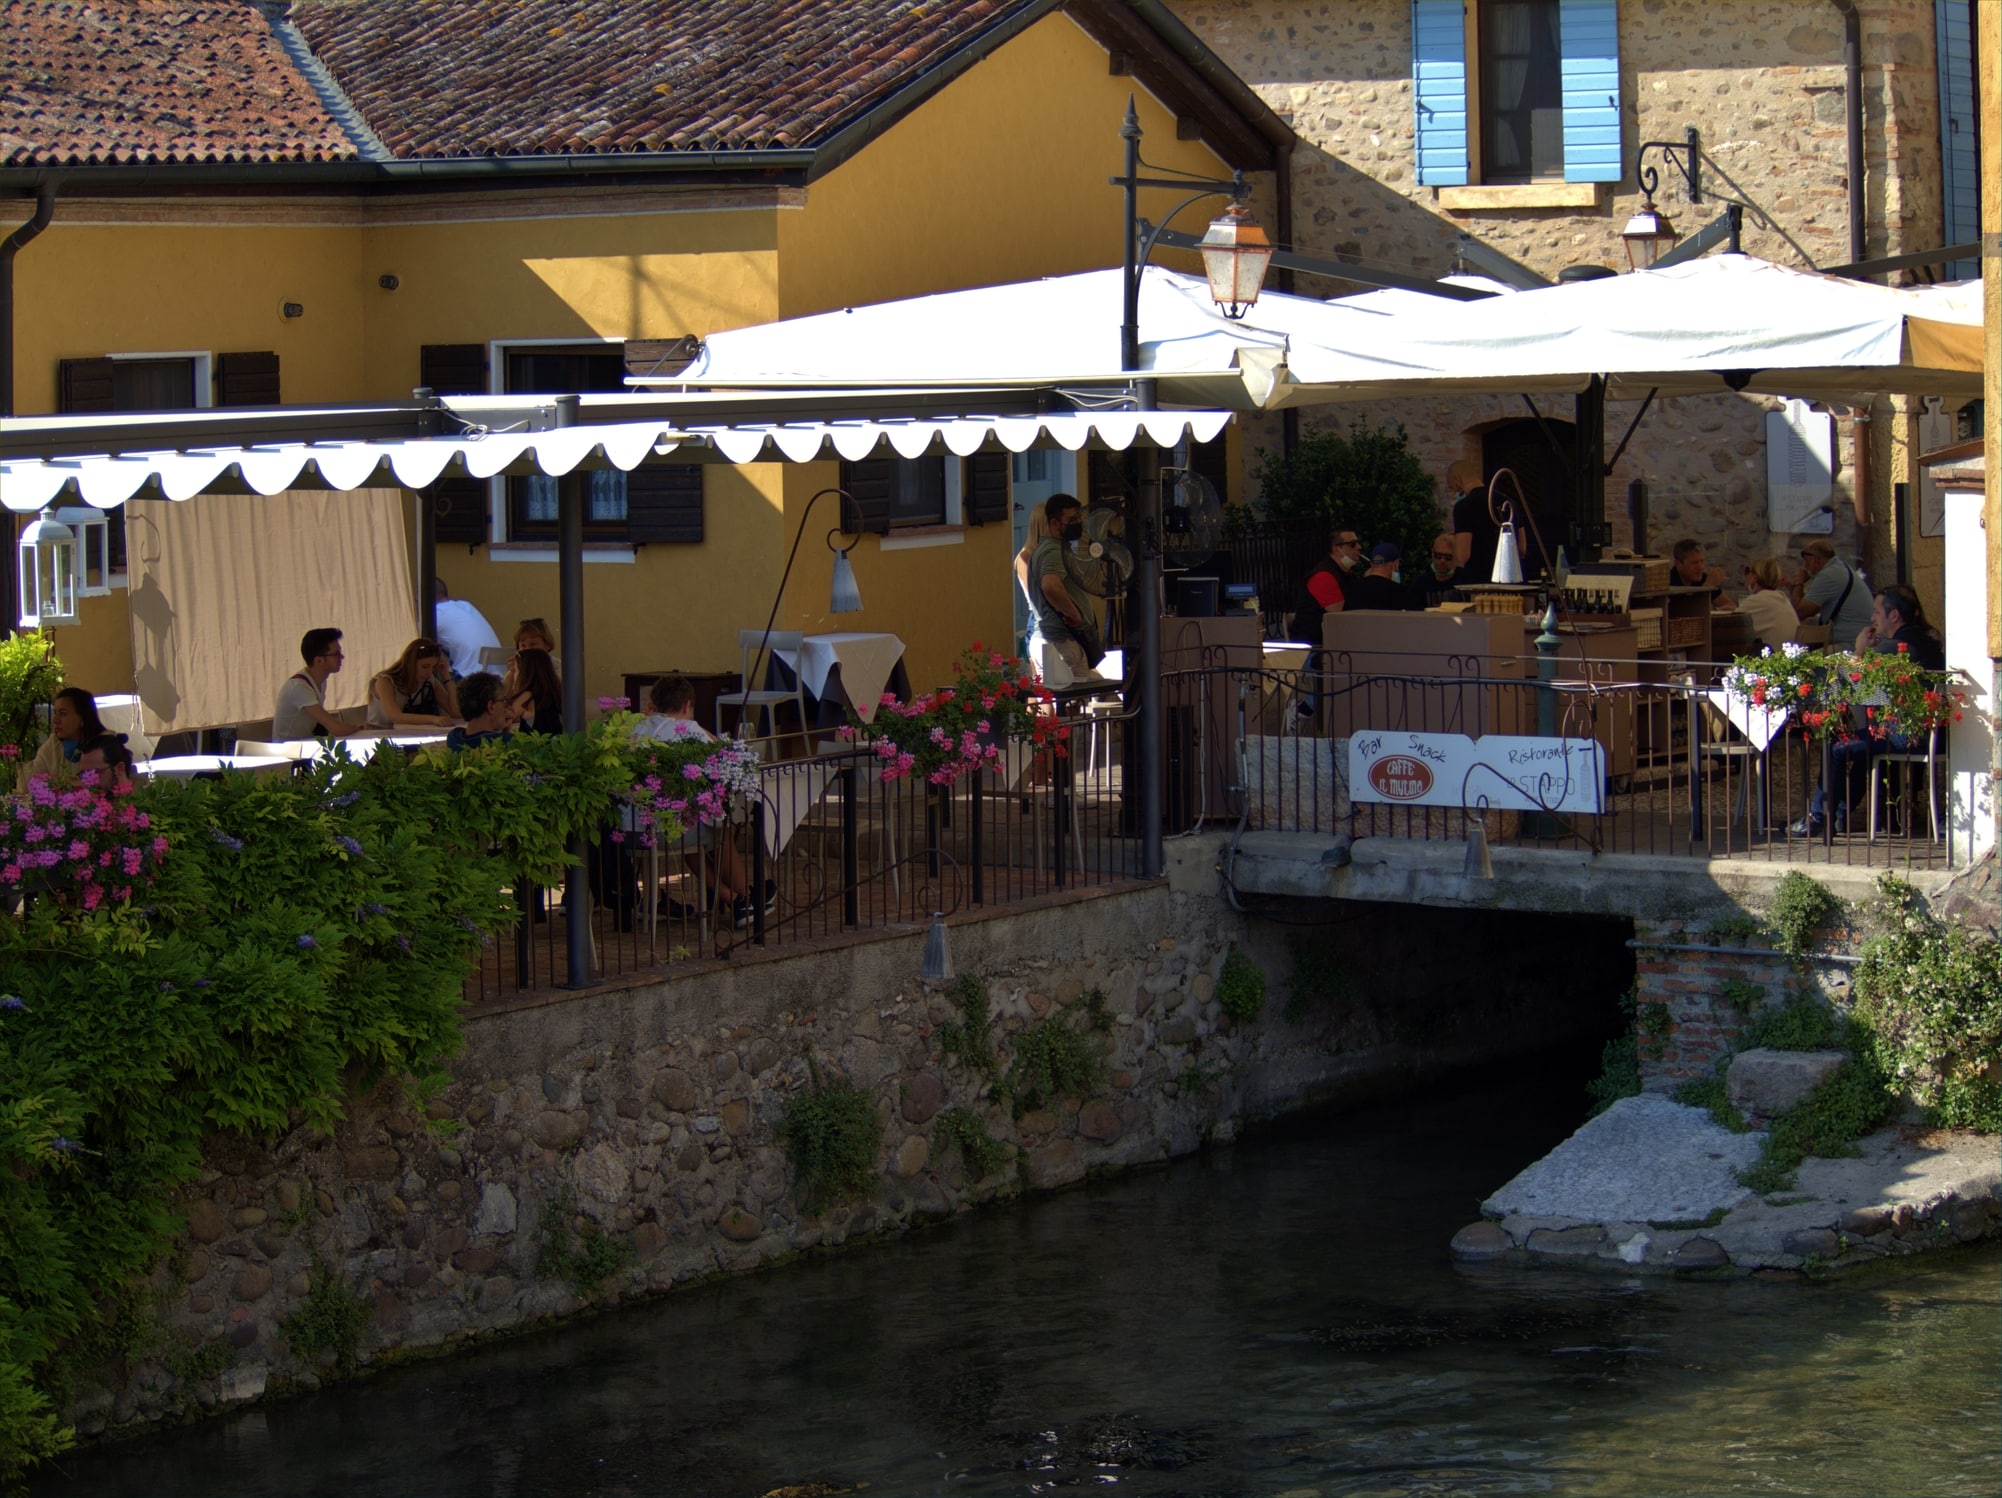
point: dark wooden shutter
(84, 385)
(453, 368)
(661, 357)
(984, 489)
(664, 503)
(246, 379)
(870, 483)
(459, 511)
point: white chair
(496, 655)
(757, 704)
(1910, 759)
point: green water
(1281, 1318)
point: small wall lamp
(388, 282)
(289, 310)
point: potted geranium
(961, 729)
(1828, 693)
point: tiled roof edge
(368, 145)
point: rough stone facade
(644, 1118)
(1764, 83)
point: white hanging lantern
(47, 573)
(92, 529)
(1235, 254)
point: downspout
(1282, 171)
(45, 210)
(1852, 69)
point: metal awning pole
(573, 493)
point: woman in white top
(1768, 605)
(416, 692)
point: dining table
(840, 671)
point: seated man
(108, 758)
(1838, 595)
(1382, 585)
(462, 629)
(1325, 590)
(301, 712)
(1692, 570)
(1065, 618)
(488, 710)
(672, 716)
(1897, 622)
(1438, 585)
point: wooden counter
(1442, 652)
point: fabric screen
(223, 585)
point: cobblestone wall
(644, 1119)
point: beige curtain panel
(223, 586)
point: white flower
(1794, 649)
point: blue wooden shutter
(1439, 84)
(1588, 34)
(1960, 163)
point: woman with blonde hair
(1767, 603)
(534, 634)
(415, 692)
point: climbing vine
(832, 1136)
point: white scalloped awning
(109, 479)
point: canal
(1277, 1318)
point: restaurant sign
(1508, 772)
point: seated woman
(416, 692)
(537, 691)
(535, 634)
(1768, 605)
(73, 722)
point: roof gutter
(45, 211)
(407, 170)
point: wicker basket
(1680, 634)
(1647, 629)
(1650, 574)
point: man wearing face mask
(1066, 625)
(1326, 589)
(1382, 586)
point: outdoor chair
(1909, 760)
(1724, 744)
(496, 655)
(757, 704)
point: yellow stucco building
(379, 197)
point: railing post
(1543, 823)
(757, 896)
(1698, 830)
(1060, 775)
(851, 891)
(976, 844)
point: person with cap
(1382, 585)
(1833, 592)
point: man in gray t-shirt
(1837, 593)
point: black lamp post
(1235, 255)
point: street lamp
(1648, 235)
(47, 573)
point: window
(904, 493)
(162, 382)
(1521, 91)
(1516, 92)
(531, 501)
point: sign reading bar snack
(1508, 772)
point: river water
(1280, 1318)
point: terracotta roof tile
(121, 81)
(503, 77)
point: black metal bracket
(1686, 156)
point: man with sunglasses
(1833, 591)
(1326, 588)
(1437, 584)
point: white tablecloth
(187, 766)
(1761, 725)
(866, 661)
(791, 789)
(361, 747)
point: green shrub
(30, 676)
(329, 1319)
(1803, 1023)
(1056, 1057)
(1801, 907)
(587, 1258)
(1708, 1094)
(965, 1039)
(982, 1152)
(1741, 995)
(1240, 988)
(832, 1135)
(1932, 994)
(1369, 479)
(300, 937)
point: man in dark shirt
(1897, 625)
(1474, 530)
(1326, 589)
(1438, 583)
(1382, 587)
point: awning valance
(108, 479)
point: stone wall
(644, 1117)
(1764, 83)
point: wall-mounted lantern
(47, 575)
